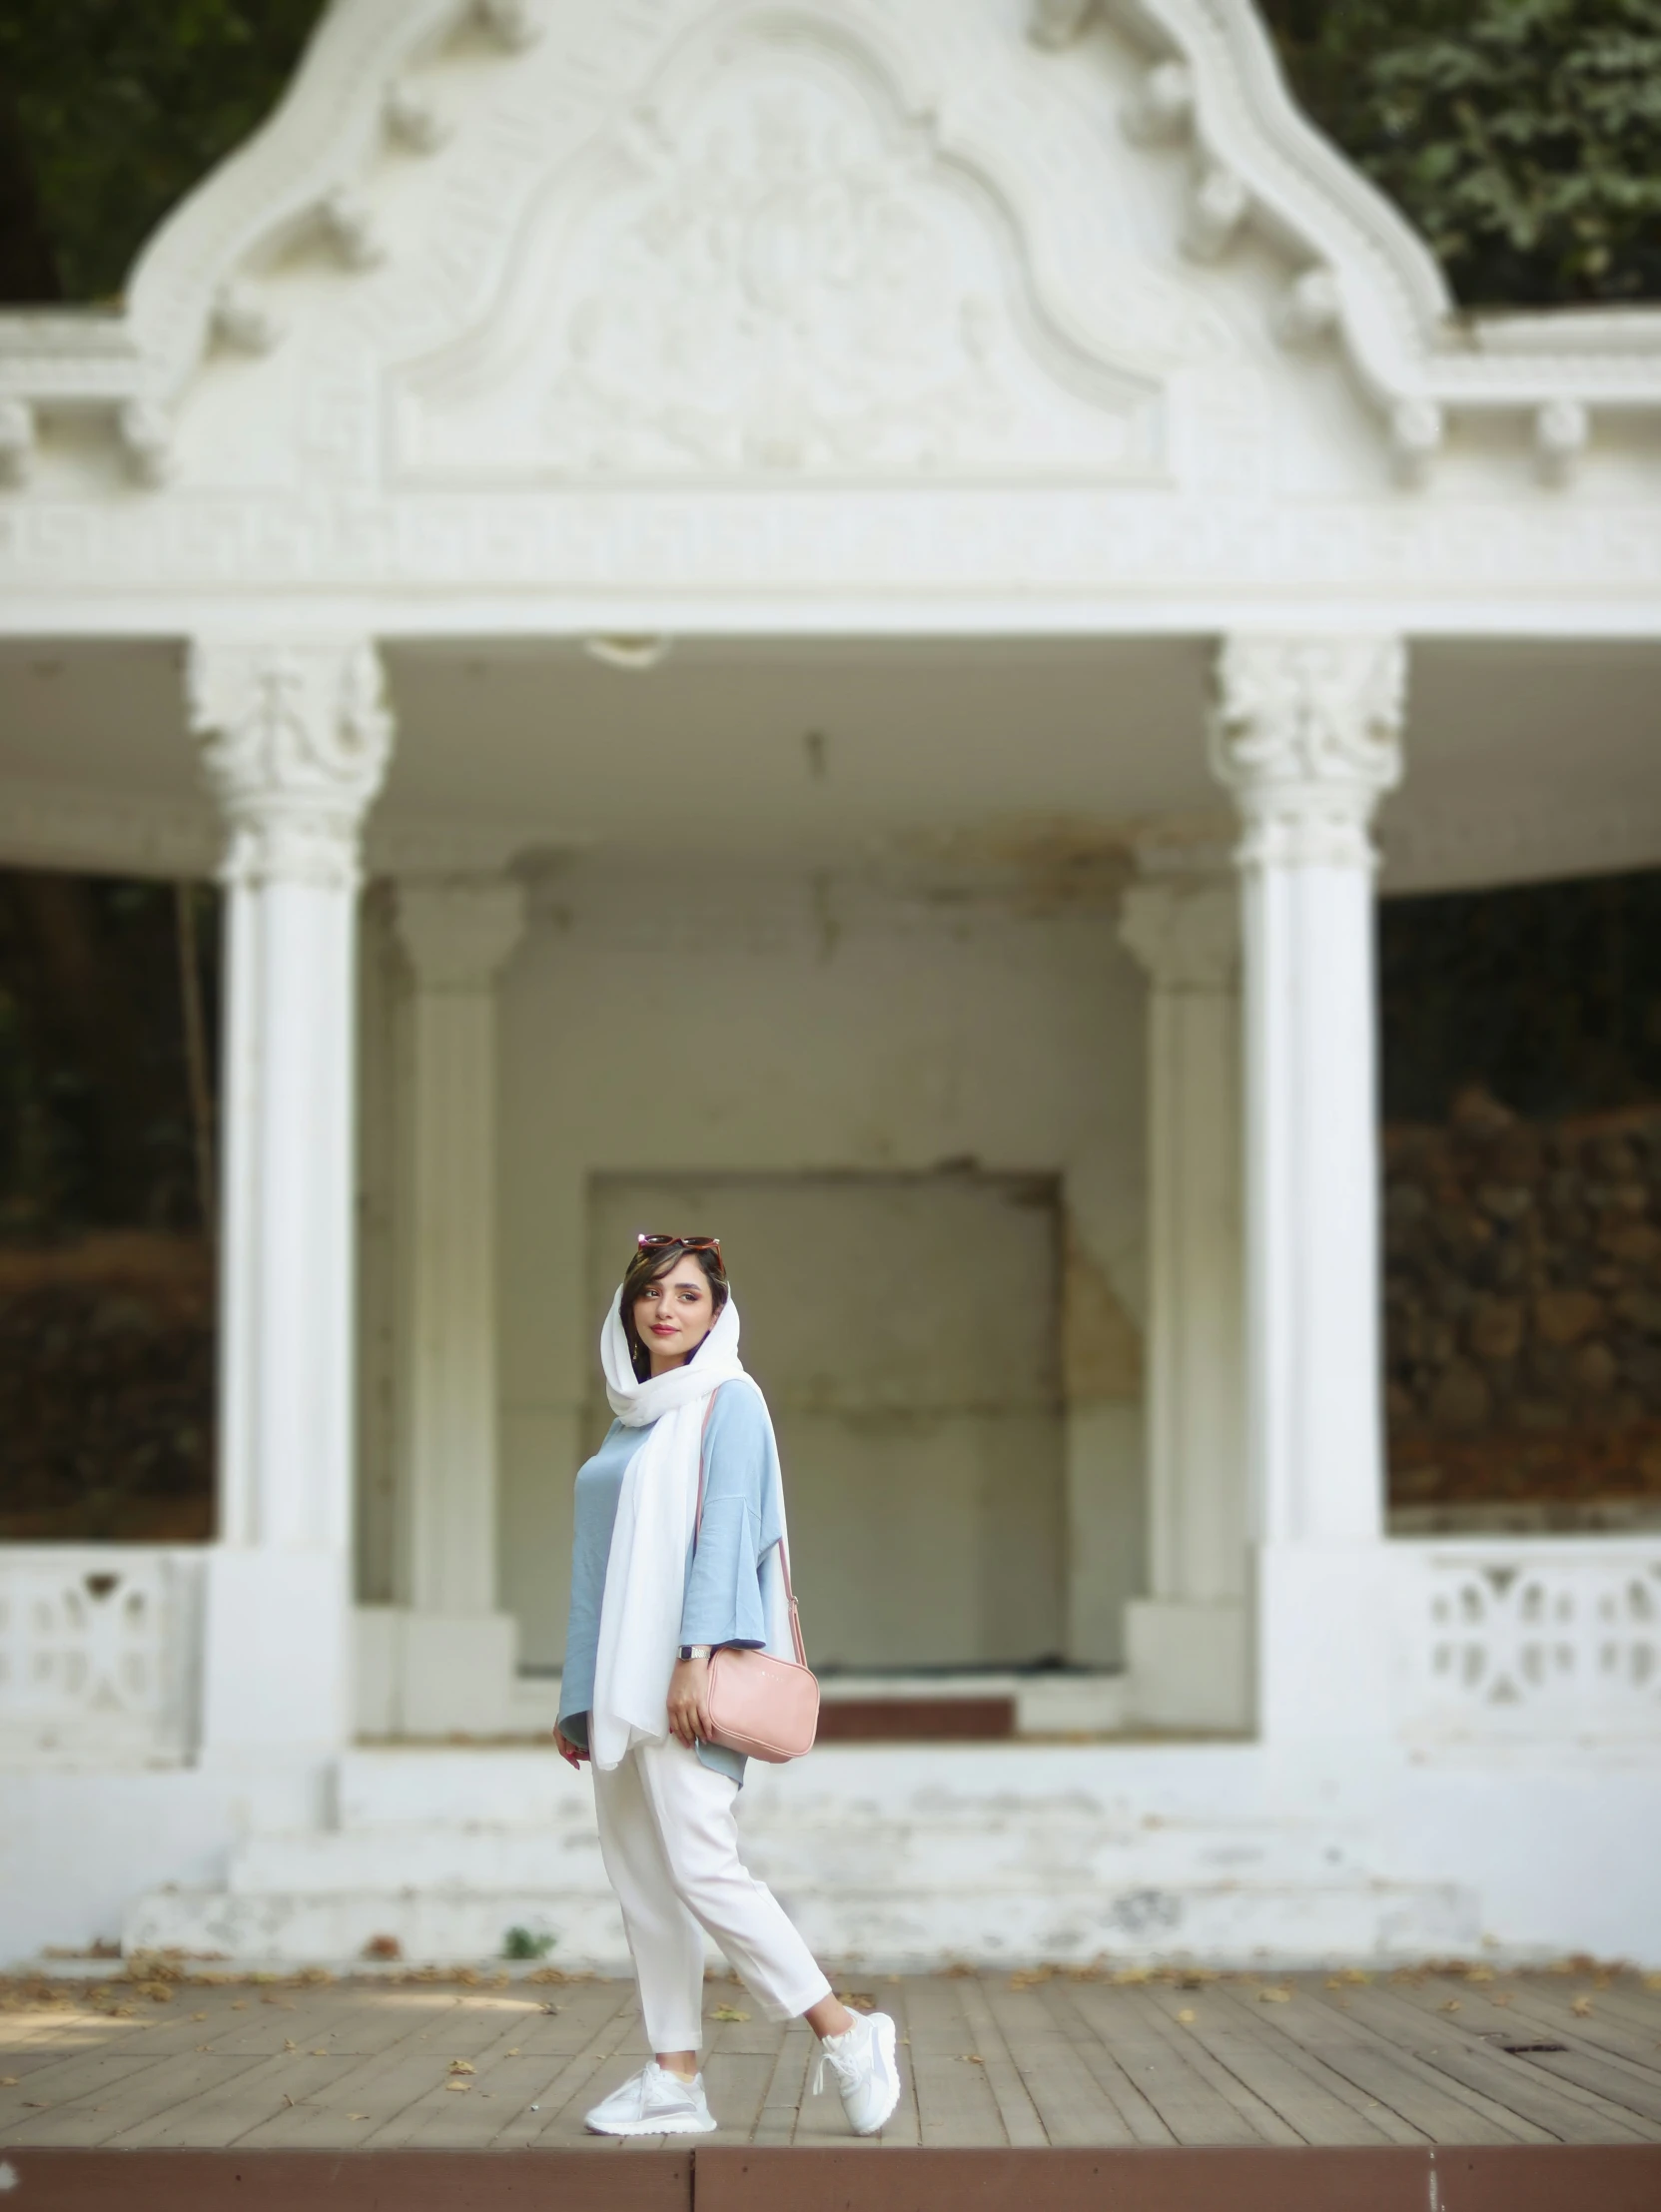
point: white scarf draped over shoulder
(646, 1572)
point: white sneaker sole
(889, 2070)
(684, 2123)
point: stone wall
(1522, 1299)
(107, 1390)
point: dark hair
(644, 1270)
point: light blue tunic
(725, 1601)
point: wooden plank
(1261, 2179)
(1445, 2111)
(616, 2047)
(404, 2037)
(1188, 2105)
(1135, 2113)
(1603, 2028)
(1315, 2106)
(1176, 2015)
(954, 2103)
(81, 2109)
(410, 2181)
(1069, 2100)
(1574, 2113)
(786, 2086)
(1446, 2041)
(905, 2130)
(739, 2063)
(1636, 2088)
(1014, 2107)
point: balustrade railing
(99, 1653)
(1522, 1639)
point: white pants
(670, 1846)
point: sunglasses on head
(653, 1241)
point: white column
(458, 1653)
(295, 742)
(1187, 1647)
(1306, 735)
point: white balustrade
(1520, 1640)
(98, 1653)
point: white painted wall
(906, 1330)
(695, 1020)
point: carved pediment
(768, 269)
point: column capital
(458, 932)
(295, 738)
(1307, 734)
(1184, 932)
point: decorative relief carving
(97, 1645)
(768, 273)
(1523, 1639)
(1186, 936)
(1307, 734)
(459, 933)
(295, 742)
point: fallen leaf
(289, 2043)
(239, 2004)
(1502, 1996)
(729, 2012)
(1188, 2015)
(1581, 2008)
(973, 2058)
(199, 2015)
(356, 2115)
(461, 2066)
(1274, 1996)
(1448, 2005)
(464, 2086)
(8, 2082)
(320, 2054)
(513, 2053)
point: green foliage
(1522, 136)
(523, 1942)
(121, 106)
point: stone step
(968, 1845)
(530, 1786)
(896, 1931)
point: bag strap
(784, 1549)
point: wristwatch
(694, 1651)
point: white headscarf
(646, 1573)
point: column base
(434, 1673)
(276, 1656)
(1190, 1664)
(1324, 1643)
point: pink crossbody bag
(764, 1707)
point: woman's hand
(689, 1702)
(568, 1750)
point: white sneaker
(653, 2103)
(866, 2069)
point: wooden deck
(993, 2063)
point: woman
(648, 1605)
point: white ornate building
(744, 526)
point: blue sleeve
(723, 1586)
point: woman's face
(674, 1314)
